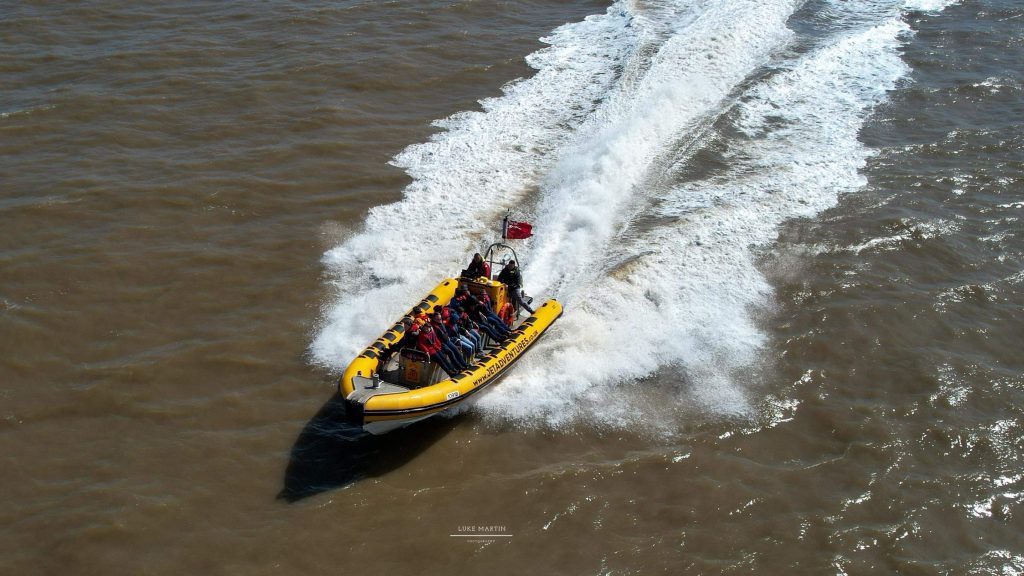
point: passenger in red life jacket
(421, 318)
(477, 268)
(470, 343)
(449, 346)
(449, 326)
(431, 346)
(469, 330)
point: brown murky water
(788, 237)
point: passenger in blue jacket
(496, 329)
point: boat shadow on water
(330, 453)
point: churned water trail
(464, 179)
(788, 235)
(656, 265)
(586, 131)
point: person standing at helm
(512, 278)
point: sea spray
(657, 279)
(463, 180)
(689, 299)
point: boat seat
(415, 368)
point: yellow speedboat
(386, 388)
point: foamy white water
(616, 99)
(464, 179)
(747, 360)
(928, 5)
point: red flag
(517, 230)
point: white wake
(656, 270)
